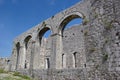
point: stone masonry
(88, 51)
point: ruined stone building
(4, 63)
(88, 51)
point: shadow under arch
(18, 54)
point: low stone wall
(51, 74)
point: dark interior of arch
(27, 40)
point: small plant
(108, 25)
(85, 22)
(85, 32)
(95, 15)
(97, 66)
(105, 57)
(92, 50)
(44, 24)
(52, 17)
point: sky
(17, 16)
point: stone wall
(4, 63)
(89, 51)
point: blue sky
(17, 16)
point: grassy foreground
(4, 75)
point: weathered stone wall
(4, 63)
(89, 51)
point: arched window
(47, 63)
(18, 54)
(63, 61)
(74, 59)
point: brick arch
(64, 21)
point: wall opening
(25, 66)
(63, 61)
(27, 45)
(44, 34)
(72, 23)
(27, 39)
(18, 54)
(47, 63)
(74, 59)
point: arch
(63, 61)
(44, 47)
(26, 40)
(18, 54)
(26, 45)
(47, 63)
(63, 22)
(67, 19)
(42, 32)
(74, 59)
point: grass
(3, 71)
(22, 76)
(4, 75)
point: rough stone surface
(89, 51)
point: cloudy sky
(17, 16)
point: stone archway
(66, 39)
(27, 52)
(44, 47)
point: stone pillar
(56, 54)
(13, 60)
(32, 58)
(22, 57)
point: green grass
(3, 71)
(22, 76)
(4, 75)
